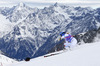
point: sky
(43, 3)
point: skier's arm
(61, 38)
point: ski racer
(70, 41)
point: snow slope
(83, 55)
(5, 60)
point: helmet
(62, 33)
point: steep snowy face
(10, 16)
(5, 25)
(75, 18)
(17, 13)
(78, 17)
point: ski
(52, 54)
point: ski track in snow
(83, 55)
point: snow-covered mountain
(83, 55)
(35, 28)
(10, 16)
(17, 13)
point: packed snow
(82, 55)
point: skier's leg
(66, 46)
(73, 44)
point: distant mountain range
(31, 31)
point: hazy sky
(42, 3)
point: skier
(70, 41)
